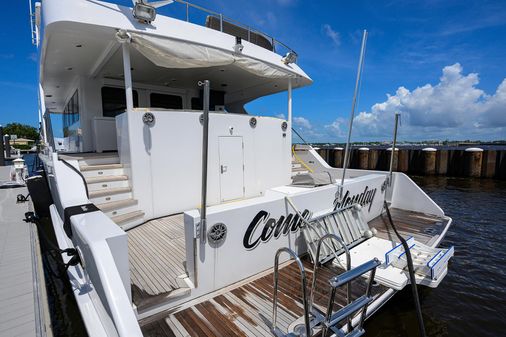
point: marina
(169, 201)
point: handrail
(233, 21)
(80, 175)
(303, 285)
(317, 265)
(205, 148)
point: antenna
(353, 105)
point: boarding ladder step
(317, 322)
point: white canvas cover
(170, 53)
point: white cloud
(302, 123)
(332, 34)
(454, 106)
(282, 116)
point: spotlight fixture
(238, 44)
(145, 11)
(290, 57)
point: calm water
(471, 300)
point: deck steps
(123, 219)
(110, 188)
(109, 191)
(106, 179)
(113, 205)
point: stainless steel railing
(222, 19)
(290, 252)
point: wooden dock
(22, 291)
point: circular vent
(148, 118)
(253, 122)
(217, 234)
(284, 126)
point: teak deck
(247, 309)
(157, 259)
(425, 228)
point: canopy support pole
(128, 76)
(290, 102)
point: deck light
(290, 57)
(144, 13)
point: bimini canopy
(176, 54)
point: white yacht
(187, 215)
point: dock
(23, 299)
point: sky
(440, 64)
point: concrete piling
(472, 162)
(442, 162)
(429, 166)
(363, 158)
(338, 157)
(474, 159)
(396, 158)
(489, 162)
(403, 165)
(373, 159)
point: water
(471, 300)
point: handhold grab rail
(317, 265)
(303, 283)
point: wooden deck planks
(157, 258)
(247, 310)
(425, 228)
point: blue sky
(442, 63)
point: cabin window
(114, 101)
(71, 114)
(165, 101)
(216, 98)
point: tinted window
(166, 101)
(114, 101)
(196, 103)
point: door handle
(223, 168)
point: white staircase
(297, 168)
(110, 189)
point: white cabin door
(231, 168)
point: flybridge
(146, 12)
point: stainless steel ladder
(329, 319)
(275, 329)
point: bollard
(396, 157)
(403, 164)
(338, 157)
(363, 158)
(2, 155)
(373, 159)
(489, 163)
(474, 159)
(442, 162)
(429, 161)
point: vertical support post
(187, 12)
(290, 102)
(2, 155)
(353, 104)
(127, 70)
(42, 111)
(392, 156)
(221, 22)
(205, 143)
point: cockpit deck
(245, 309)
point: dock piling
(429, 166)
(474, 159)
